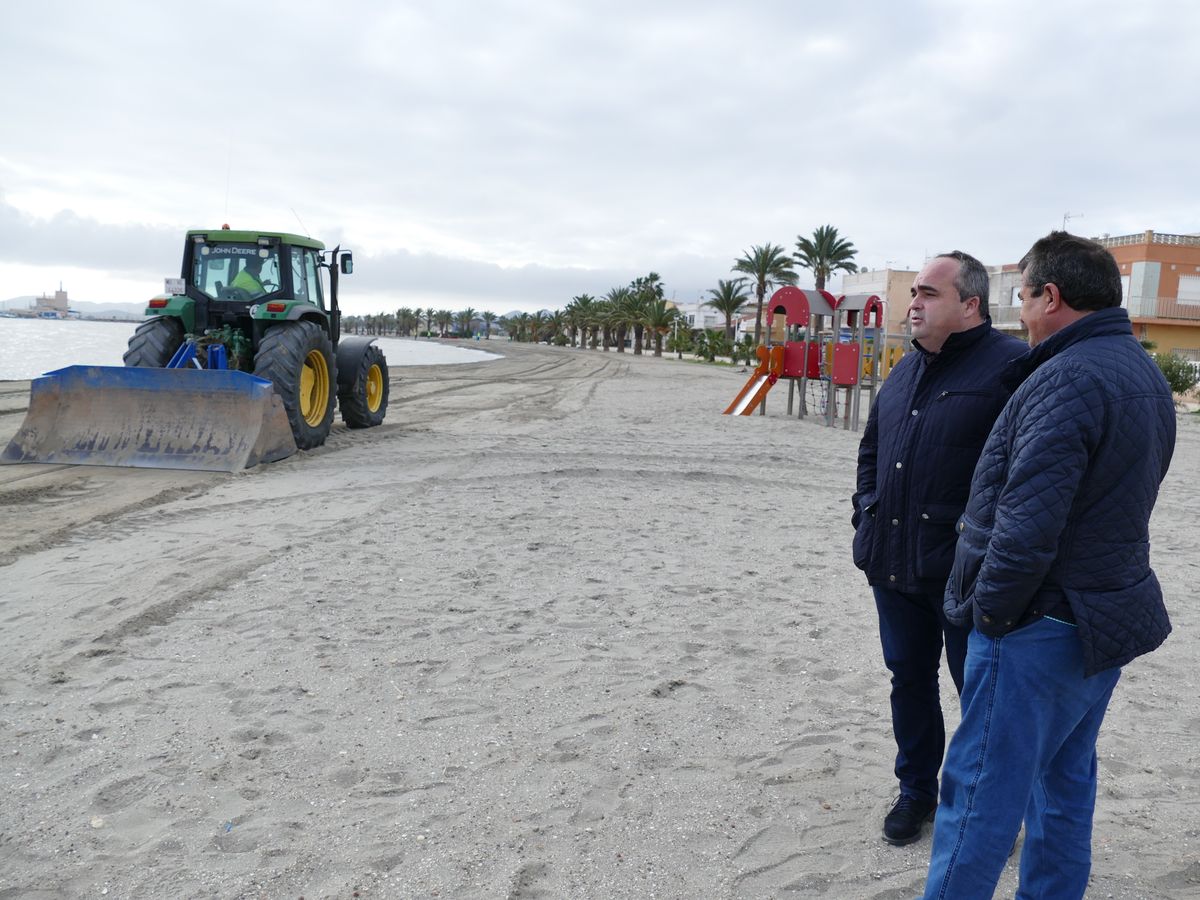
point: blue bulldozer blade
(211, 420)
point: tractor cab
(247, 267)
(229, 271)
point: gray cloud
(70, 239)
(530, 151)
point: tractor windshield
(236, 271)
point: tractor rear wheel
(154, 343)
(364, 401)
(297, 358)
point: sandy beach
(557, 629)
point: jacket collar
(1101, 323)
(956, 342)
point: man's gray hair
(972, 280)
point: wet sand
(557, 629)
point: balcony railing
(1138, 307)
(1150, 237)
(1164, 308)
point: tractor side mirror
(347, 263)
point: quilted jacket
(922, 440)
(1061, 499)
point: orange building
(1160, 282)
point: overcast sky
(511, 154)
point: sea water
(32, 347)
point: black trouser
(912, 630)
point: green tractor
(241, 362)
(261, 297)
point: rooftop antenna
(1067, 216)
(303, 227)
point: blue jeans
(1026, 749)
(912, 628)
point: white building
(699, 316)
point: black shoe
(908, 816)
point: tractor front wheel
(154, 343)
(364, 401)
(297, 358)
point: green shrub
(680, 342)
(719, 345)
(1180, 373)
(745, 351)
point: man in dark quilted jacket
(1052, 568)
(922, 439)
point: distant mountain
(88, 310)
(520, 312)
(18, 302)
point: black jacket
(923, 438)
(1060, 503)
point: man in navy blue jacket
(1053, 570)
(922, 440)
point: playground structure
(832, 346)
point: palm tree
(488, 318)
(444, 319)
(728, 300)
(644, 290)
(464, 320)
(658, 318)
(571, 315)
(825, 253)
(603, 321)
(430, 315)
(512, 324)
(635, 312)
(767, 265)
(618, 301)
(556, 324)
(537, 324)
(582, 309)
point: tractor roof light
(197, 238)
(265, 241)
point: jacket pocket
(864, 534)
(947, 395)
(1117, 625)
(968, 558)
(935, 539)
(967, 418)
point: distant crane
(1067, 216)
